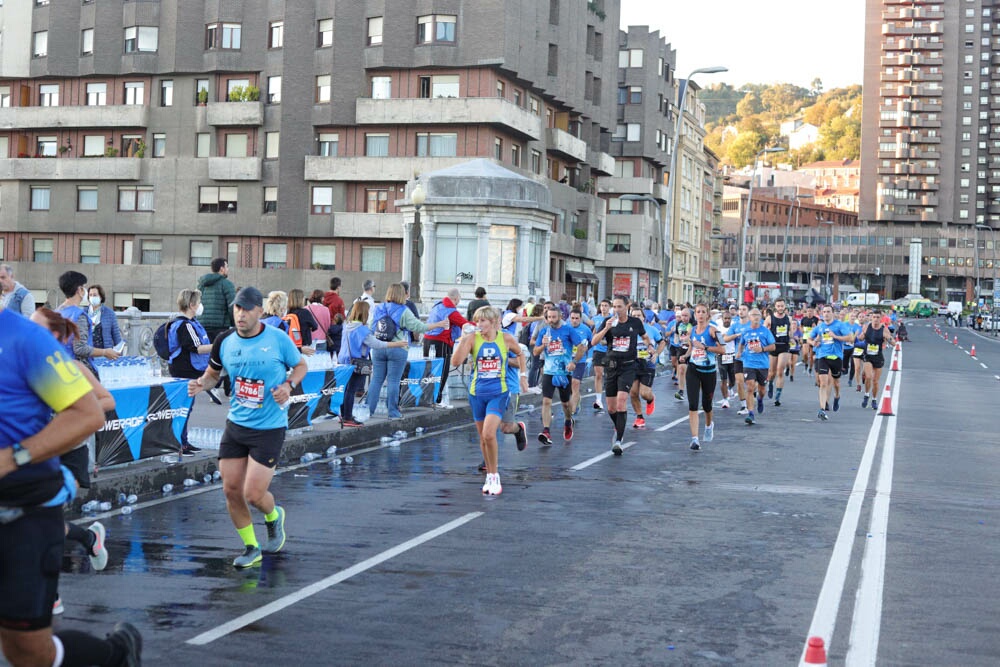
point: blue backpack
(386, 326)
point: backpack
(524, 338)
(386, 327)
(294, 328)
(161, 340)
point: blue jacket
(109, 326)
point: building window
(619, 243)
(324, 257)
(236, 145)
(87, 41)
(437, 144)
(501, 90)
(200, 85)
(618, 206)
(553, 68)
(323, 88)
(41, 251)
(374, 30)
(498, 149)
(48, 95)
(201, 253)
(535, 106)
(233, 253)
(135, 92)
(93, 145)
(225, 36)
(40, 44)
(166, 93)
(325, 29)
(373, 258)
(2, 256)
(377, 201)
(274, 90)
(127, 251)
(328, 144)
(633, 132)
(456, 250)
(97, 94)
(203, 145)
(445, 85)
(46, 146)
(503, 255)
(271, 199)
(40, 197)
(126, 299)
(271, 140)
(141, 39)
(90, 251)
(515, 155)
(152, 252)
(86, 199)
(635, 95)
(322, 200)
(536, 161)
(235, 85)
(159, 144)
(436, 29)
(377, 145)
(276, 35)
(554, 12)
(217, 199)
(275, 255)
(630, 58)
(4, 96)
(135, 199)
(381, 87)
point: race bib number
(728, 358)
(782, 330)
(827, 337)
(872, 349)
(858, 351)
(755, 346)
(806, 331)
(487, 368)
(698, 356)
(249, 393)
(642, 353)
(620, 343)
(555, 347)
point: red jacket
(333, 301)
(455, 319)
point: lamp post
(784, 248)
(719, 236)
(994, 311)
(668, 219)
(829, 258)
(666, 255)
(746, 218)
(418, 197)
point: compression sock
(82, 649)
(777, 393)
(81, 535)
(620, 425)
(248, 536)
(613, 416)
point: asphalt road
(878, 533)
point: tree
(750, 105)
(744, 148)
(817, 87)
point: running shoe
(639, 423)
(214, 395)
(749, 420)
(864, 401)
(710, 433)
(568, 430)
(679, 395)
(598, 407)
(188, 450)
(616, 448)
(57, 607)
(827, 408)
(791, 378)
(127, 638)
(760, 404)
(725, 403)
(275, 532)
(488, 485)
(544, 437)
(495, 488)
(836, 403)
(650, 407)
(694, 445)
(350, 423)
(858, 389)
(742, 411)
(520, 438)
(98, 553)
(786, 371)
(251, 556)
(874, 404)
(770, 390)
(576, 410)
(821, 415)
(777, 402)
(850, 382)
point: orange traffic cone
(899, 345)
(955, 342)
(973, 350)
(895, 362)
(886, 409)
(815, 652)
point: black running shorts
(78, 462)
(758, 375)
(598, 358)
(263, 446)
(876, 360)
(32, 550)
(549, 389)
(618, 378)
(834, 367)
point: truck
(863, 299)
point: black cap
(248, 298)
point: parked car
(887, 303)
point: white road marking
(983, 365)
(673, 423)
(600, 457)
(321, 585)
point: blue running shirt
(559, 352)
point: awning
(580, 277)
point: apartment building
(138, 140)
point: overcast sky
(760, 41)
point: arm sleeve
(59, 383)
(411, 323)
(457, 320)
(187, 338)
(28, 304)
(374, 343)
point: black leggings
(704, 382)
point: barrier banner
(147, 421)
(319, 393)
(420, 383)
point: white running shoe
(725, 403)
(616, 448)
(99, 554)
(495, 488)
(489, 484)
(709, 432)
(743, 411)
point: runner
(780, 324)
(39, 379)
(645, 369)
(258, 358)
(727, 360)
(705, 344)
(733, 335)
(576, 321)
(557, 340)
(756, 344)
(679, 330)
(794, 349)
(876, 336)
(858, 324)
(488, 389)
(623, 333)
(827, 337)
(600, 351)
(808, 322)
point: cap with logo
(249, 298)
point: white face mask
(199, 310)
(95, 301)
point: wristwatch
(22, 456)
(291, 383)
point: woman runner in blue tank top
(706, 342)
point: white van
(863, 299)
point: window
(271, 144)
(159, 145)
(2, 257)
(618, 206)
(456, 250)
(619, 243)
(141, 38)
(328, 144)
(503, 255)
(235, 84)
(135, 199)
(135, 92)
(276, 35)
(377, 145)
(498, 149)
(436, 28)
(41, 251)
(127, 251)
(236, 145)
(225, 36)
(630, 58)
(217, 199)
(40, 47)
(536, 161)
(322, 200)
(438, 86)
(515, 155)
(86, 199)
(90, 251)
(274, 90)
(46, 146)
(93, 144)
(201, 253)
(374, 30)
(138, 299)
(633, 132)
(200, 85)
(635, 95)
(87, 41)
(501, 90)
(381, 87)
(203, 145)
(553, 68)
(166, 93)
(97, 94)
(325, 29)
(152, 252)
(554, 12)
(377, 201)
(437, 144)
(323, 88)
(40, 198)
(270, 199)
(324, 257)
(48, 95)
(535, 106)
(372, 258)
(275, 255)
(4, 96)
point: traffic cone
(895, 362)
(899, 345)
(973, 350)
(955, 342)
(815, 652)
(886, 409)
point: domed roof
(481, 182)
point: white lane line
(321, 585)
(867, 620)
(983, 365)
(674, 423)
(600, 457)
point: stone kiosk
(480, 225)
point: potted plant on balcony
(580, 233)
(140, 149)
(63, 149)
(251, 94)
(110, 151)
(202, 97)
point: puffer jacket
(217, 292)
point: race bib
(873, 349)
(728, 358)
(698, 355)
(827, 337)
(858, 351)
(755, 346)
(642, 353)
(488, 368)
(806, 330)
(782, 330)
(249, 393)
(620, 343)
(555, 347)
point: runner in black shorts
(780, 324)
(875, 336)
(727, 361)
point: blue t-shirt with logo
(559, 351)
(754, 340)
(829, 346)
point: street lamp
(666, 255)
(418, 197)
(672, 183)
(784, 248)
(829, 257)
(994, 311)
(746, 219)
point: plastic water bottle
(127, 509)
(335, 462)
(132, 499)
(331, 450)
(122, 498)
(419, 429)
(385, 439)
(167, 488)
(432, 353)
(400, 434)
(361, 412)
(190, 482)
(90, 506)
(394, 443)
(216, 476)
(105, 506)
(308, 457)
(169, 458)
(348, 459)
(207, 479)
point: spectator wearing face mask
(189, 349)
(105, 329)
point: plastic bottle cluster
(321, 361)
(125, 371)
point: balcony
(227, 114)
(71, 169)
(368, 225)
(450, 111)
(117, 116)
(234, 168)
(374, 168)
(626, 186)
(565, 145)
(602, 163)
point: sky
(760, 41)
